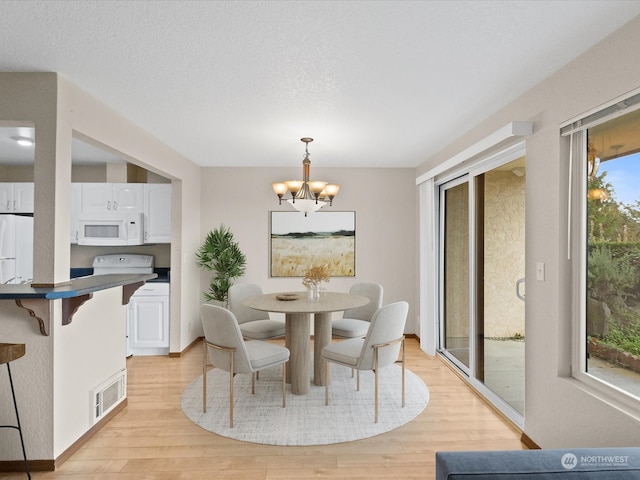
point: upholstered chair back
(387, 325)
(237, 293)
(221, 329)
(373, 291)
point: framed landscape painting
(322, 238)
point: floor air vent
(107, 395)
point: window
(610, 180)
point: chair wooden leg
(284, 385)
(358, 381)
(375, 370)
(231, 389)
(253, 383)
(403, 371)
(231, 399)
(230, 351)
(376, 394)
(204, 376)
(326, 383)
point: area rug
(305, 420)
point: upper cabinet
(151, 199)
(16, 197)
(157, 213)
(112, 197)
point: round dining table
(298, 308)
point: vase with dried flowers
(312, 279)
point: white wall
(385, 204)
(87, 352)
(559, 413)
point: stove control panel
(131, 260)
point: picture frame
(298, 243)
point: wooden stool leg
(18, 427)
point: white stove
(122, 263)
(148, 308)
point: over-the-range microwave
(110, 228)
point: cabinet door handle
(115, 205)
(14, 205)
(108, 204)
(8, 205)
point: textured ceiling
(375, 83)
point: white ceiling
(237, 83)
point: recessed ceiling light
(24, 141)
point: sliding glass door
(455, 270)
(500, 261)
(482, 267)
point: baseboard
(34, 466)
(530, 444)
(186, 349)
(51, 465)
(90, 433)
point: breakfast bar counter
(73, 294)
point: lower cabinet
(148, 320)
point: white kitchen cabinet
(17, 197)
(112, 197)
(148, 320)
(157, 213)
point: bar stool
(8, 353)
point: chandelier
(306, 195)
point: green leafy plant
(626, 339)
(608, 278)
(221, 254)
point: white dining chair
(254, 324)
(227, 350)
(355, 321)
(381, 346)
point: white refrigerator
(16, 249)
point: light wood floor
(152, 439)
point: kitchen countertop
(73, 295)
(75, 288)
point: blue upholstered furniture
(570, 464)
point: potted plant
(221, 254)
